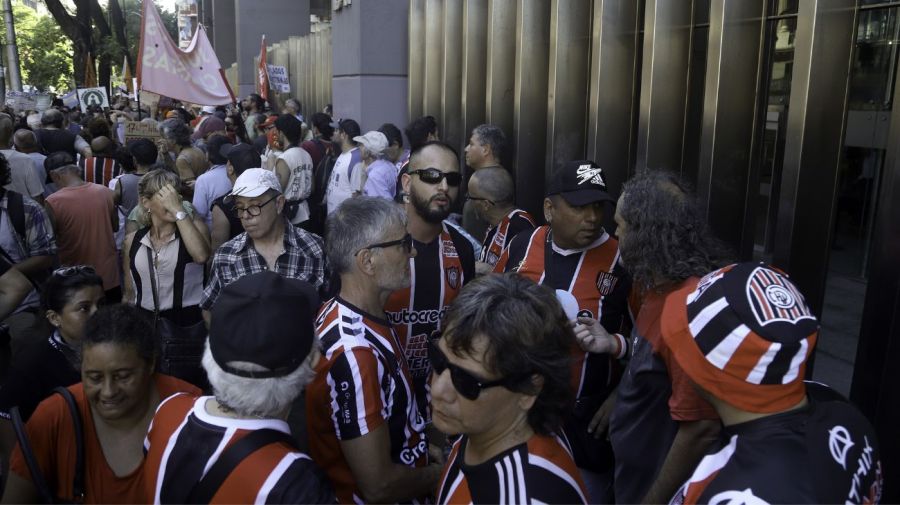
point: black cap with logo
(579, 182)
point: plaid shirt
(39, 239)
(303, 258)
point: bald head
(495, 184)
(25, 141)
(101, 144)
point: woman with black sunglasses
(501, 381)
(69, 297)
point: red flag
(262, 81)
(193, 75)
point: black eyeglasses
(253, 210)
(434, 176)
(470, 198)
(74, 270)
(405, 242)
(466, 384)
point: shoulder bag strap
(153, 282)
(37, 477)
(208, 486)
(78, 481)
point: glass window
(872, 79)
(693, 121)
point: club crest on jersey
(587, 173)
(704, 284)
(772, 298)
(606, 283)
(453, 277)
(448, 249)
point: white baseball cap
(207, 109)
(254, 182)
(374, 141)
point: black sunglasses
(405, 243)
(434, 176)
(74, 270)
(464, 382)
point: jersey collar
(568, 252)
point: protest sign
(278, 79)
(90, 97)
(139, 130)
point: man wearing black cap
(214, 182)
(236, 447)
(575, 255)
(225, 222)
(743, 334)
(339, 188)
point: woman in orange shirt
(116, 400)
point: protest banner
(278, 79)
(90, 97)
(139, 130)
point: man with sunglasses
(573, 253)
(501, 381)
(268, 242)
(444, 261)
(491, 195)
(365, 428)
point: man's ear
(364, 261)
(526, 400)
(405, 182)
(548, 210)
(279, 203)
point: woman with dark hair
(177, 152)
(69, 297)
(115, 402)
(501, 380)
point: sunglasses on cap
(466, 384)
(434, 176)
(74, 270)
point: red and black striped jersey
(538, 471)
(100, 169)
(597, 280)
(824, 453)
(361, 383)
(498, 237)
(438, 272)
(184, 441)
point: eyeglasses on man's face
(405, 243)
(252, 210)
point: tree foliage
(45, 54)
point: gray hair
(52, 117)
(269, 397)
(493, 136)
(176, 130)
(356, 224)
(34, 120)
(496, 184)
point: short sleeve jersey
(653, 396)
(597, 280)
(824, 453)
(362, 383)
(52, 438)
(539, 471)
(439, 271)
(497, 238)
(184, 441)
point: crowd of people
(252, 306)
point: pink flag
(193, 75)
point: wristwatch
(180, 215)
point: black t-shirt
(226, 205)
(56, 140)
(36, 371)
(825, 453)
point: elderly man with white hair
(380, 177)
(235, 446)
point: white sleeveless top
(300, 182)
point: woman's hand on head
(169, 199)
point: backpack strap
(37, 477)
(208, 486)
(78, 480)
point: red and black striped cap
(743, 333)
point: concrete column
(369, 56)
(283, 19)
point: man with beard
(574, 255)
(444, 262)
(365, 428)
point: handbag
(37, 476)
(181, 346)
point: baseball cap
(207, 109)
(242, 156)
(374, 141)
(743, 333)
(580, 182)
(254, 182)
(265, 319)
